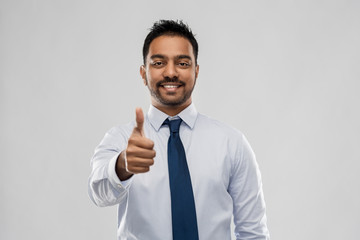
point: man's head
(170, 28)
(170, 68)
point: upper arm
(245, 189)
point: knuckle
(129, 151)
(151, 162)
(130, 141)
(153, 153)
(133, 139)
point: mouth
(171, 87)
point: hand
(139, 154)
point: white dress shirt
(224, 174)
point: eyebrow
(177, 57)
(157, 56)
(183, 56)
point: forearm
(246, 191)
(250, 218)
(104, 186)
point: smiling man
(175, 173)
(171, 72)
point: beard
(172, 102)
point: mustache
(169, 80)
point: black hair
(172, 28)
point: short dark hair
(172, 28)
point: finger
(140, 152)
(141, 142)
(138, 169)
(139, 120)
(139, 162)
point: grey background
(286, 73)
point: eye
(184, 64)
(157, 63)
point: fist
(140, 153)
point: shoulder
(217, 127)
(222, 135)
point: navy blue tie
(183, 211)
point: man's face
(170, 72)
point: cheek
(153, 76)
(151, 82)
(190, 76)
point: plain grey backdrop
(286, 73)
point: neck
(171, 110)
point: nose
(170, 71)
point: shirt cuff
(114, 179)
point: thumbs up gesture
(139, 154)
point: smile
(171, 86)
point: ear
(196, 71)
(143, 74)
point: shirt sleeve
(245, 189)
(104, 186)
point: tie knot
(174, 125)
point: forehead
(170, 46)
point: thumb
(139, 120)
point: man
(177, 183)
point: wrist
(121, 169)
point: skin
(170, 74)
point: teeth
(170, 86)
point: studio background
(286, 73)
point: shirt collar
(157, 117)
